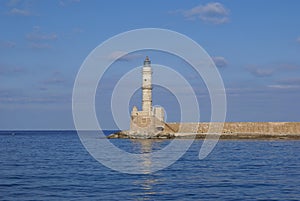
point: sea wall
(236, 127)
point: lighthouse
(147, 87)
(150, 120)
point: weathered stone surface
(149, 121)
(241, 127)
(231, 130)
(120, 134)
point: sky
(254, 44)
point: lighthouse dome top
(147, 61)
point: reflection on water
(146, 183)
(147, 188)
(145, 147)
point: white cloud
(67, 2)
(56, 78)
(21, 12)
(36, 34)
(39, 46)
(214, 13)
(38, 39)
(39, 36)
(298, 39)
(116, 56)
(282, 86)
(287, 83)
(220, 61)
(19, 8)
(268, 70)
(260, 72)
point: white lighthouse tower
(150, 120)
(147, 87)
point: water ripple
(55, 166)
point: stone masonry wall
(238, 127)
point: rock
(120, 134)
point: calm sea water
(54, 165)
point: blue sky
(255, 44)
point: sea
(54, 165)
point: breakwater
(230, 130)
(239, 127)
(238, 130)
